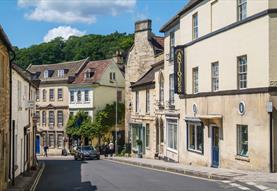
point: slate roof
(71, 69)
(149, 76)
(5, 38)
(175, 19)
(158, 44)
(26, 75)
(98, 67)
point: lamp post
(116, 114)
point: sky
(29, 22)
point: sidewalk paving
(265, 180)
(25, 182)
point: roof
(149, 76)
(5, 38)
(26, 75)
(191, 4)
(71, 69)
(97, 68)
(158, 44)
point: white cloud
(71, 11)
(62, 31)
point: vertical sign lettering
(179, 70)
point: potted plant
(139, 148)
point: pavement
(27, 181)
(262, 181)
(65, 174)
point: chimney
(118, 57)
(144, 25)
(143, 29)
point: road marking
(33, 188)
(239, 186)
(261, 187)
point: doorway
(215, 146)
(37, 144)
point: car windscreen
(87, 148)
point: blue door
(37, 144)
(215, 146)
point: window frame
(239, 141)
(195, 126)
(79, 95)
(44, 95)
(46, 74)
(171, 89)
(241, 74)
(171, 45)
(51, 118)
(147, 96)
(87, 98)
(241, 10)
(52, 96)
(195, 28)
(215, 76)
(60, 94)
(61, 73)
(161, 90)
(174, 131)
(195, 80)
(137, 102)
(60, 114)
(43, 116)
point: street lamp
(116, 114)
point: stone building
(23, 115)
(224, 70)
(5, 60)
(145, 59)
(52, 101)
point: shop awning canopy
(199, 118)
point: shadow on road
(63, 175)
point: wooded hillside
(75, 48)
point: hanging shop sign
(179, 70)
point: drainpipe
(270, 143)
(11, 166)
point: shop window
(195, 132)
(172, 134)
(242, 140)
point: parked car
(86, 152)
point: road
(103, 175)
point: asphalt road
(102, 175)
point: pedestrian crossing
(247, 186)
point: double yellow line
(33, 188)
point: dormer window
(89, 73)
(112, 75)
(61, 73)
(46, 74)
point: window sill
(172, 150)
(242, 158)
(195, 151)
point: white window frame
(61, 73)
(46, 74)
(242, 72)
(87, 98)
(195, 29)
(215, 76)
(168, 123)
(79, 95)
(171, 89)
(72, 96)
(161, 90)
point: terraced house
(52, 102)
(5, 107)
(99, 83)
(225, 84)
(145, 61)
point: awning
(199, 118)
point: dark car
(86, 152)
